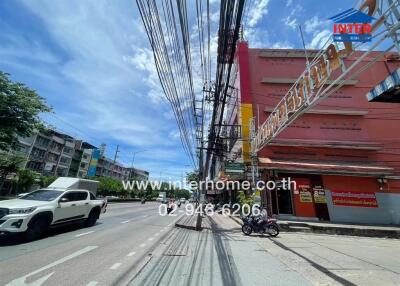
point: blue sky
(91, 60)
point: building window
(42, 142)
(68, 150)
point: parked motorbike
(252, 224)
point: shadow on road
(316, 265)
(226, 262)
(15, 239)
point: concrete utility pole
(116, 154)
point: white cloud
(314, 23)
(289, 3)
(282, 45)
(290, 22)
(258, 9)
(319, 39)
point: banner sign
(354, 199)
(93, 163)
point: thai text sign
(354, 199)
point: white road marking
(142, 245)
(146, 215)
(125, 221)
(161, 230)
(131, 253)
(115, 266)
(85, 233)
(150, 238)
(21, 280)
(92, 283)
(156, 234)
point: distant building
(107, 168)
(137, 174)
(52, 153)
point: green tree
(9, 163)
(110, 187)
(26, 179)
(20, 107)
(182, 194)
(45, 181)
(192, 177)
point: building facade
(343, 153)
(137, 174)
(52, 153)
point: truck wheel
(36, 228)
(92, 218)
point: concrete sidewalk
(217, 255)
(335, 228)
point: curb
(235, 219)
(309, 228)
(362, 232)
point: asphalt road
(133, 245)
(109, 253)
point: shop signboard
(354, 199)
(305, 196)
(234, 168)
(319, 195)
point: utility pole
(133, 160)
(115, 156)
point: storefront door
(284, 201)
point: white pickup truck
(64, 201)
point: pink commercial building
(344, 153)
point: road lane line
(131, 253)
(142, 245)
(92, 283)
(21, 280)
(115, 266)
(150, 238)
(156, 234)
(125, 221)
(85, 233)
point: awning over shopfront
(388, 90)
(324, 168)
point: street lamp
(133, 160)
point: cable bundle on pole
(228, 34)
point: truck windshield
(42, 195)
